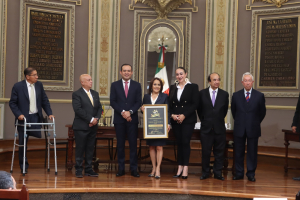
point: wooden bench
(22, 194)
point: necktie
(32, 103)
(247, 97)
(213, 98)
(91, 99)
(126, 88)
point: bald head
(86, 81)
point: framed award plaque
(155, 121)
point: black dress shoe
(134, 173)
(184, 177)
(120, 173)
(26, 171)
(177, 176)
(220, 177)
(237, 178)
(204, 176)
(251, 178)
(296, 178)
(78, 174)
(91, 173)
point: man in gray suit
(88, 110)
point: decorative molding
(267, 3)
(163, 8)
(277, 3)
(140, 36)
(69, 42)
(78, 2)
(253, 51)
(3, 30)
(103, 45)
(1, 120)
(193, 9)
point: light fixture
(158, 39)
(149, 40)
(166, 38)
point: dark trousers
(217, 142)
(33, 118)
(183, 134)
(85, 144)
(239, 154)
(131, 129)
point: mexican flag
(161, 71)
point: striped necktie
(90, 96)
(248, 97)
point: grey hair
(247, 73)
(6, 180)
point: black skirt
(156, 142)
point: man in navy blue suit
(27, 99)
(126, 99)
(248, 110)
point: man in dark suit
(212, 109)
(296, 125)
(27, 99)
(88, 110)
(248, 110)
(126, 99)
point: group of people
(185, 102)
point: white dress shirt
(29, 90)
(211, 92)
(153, 101)
(245, 92)
(127, 84)
(179, 91)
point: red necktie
(126, 88)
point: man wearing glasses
(27, 99)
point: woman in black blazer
(183, 105)
(155, 96)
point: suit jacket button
(185, 101)
(176, 106)
(173, 102)
(182, 106)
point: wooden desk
(109, 132)
(289, 136)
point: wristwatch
(131, 112)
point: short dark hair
(208, 78)
(28, 71)
(124, 65)
(6, 180)
(151, 85)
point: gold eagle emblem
(164, 7)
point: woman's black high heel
(178, 176)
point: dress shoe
(134, 173)
(204, 176)
(296, 178)
(26, 171)
(251, 178)
(184, 177)
(91, 173)
(120, 173)
(151, 175)
(237, 178)
(177, 176)
(220, 177)
(78, 174)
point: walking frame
(26, 125)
